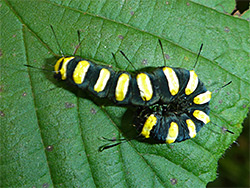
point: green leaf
(228, 6)
(49, 134)
(222, 6)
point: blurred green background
(233, 170)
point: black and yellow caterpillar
(174, 102)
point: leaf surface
(49, 131)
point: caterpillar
(180, 100)
(172, 103)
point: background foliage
(49, 131)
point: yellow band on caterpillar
(122, 87)
(80, 71)
(63, 70)
(145, 86)
(173, 82)
(203, 98)
(102, 80)
(173, 132)
(57, 65)
(192, 83)
(191, 128)
(202, 116)
(148, 126)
